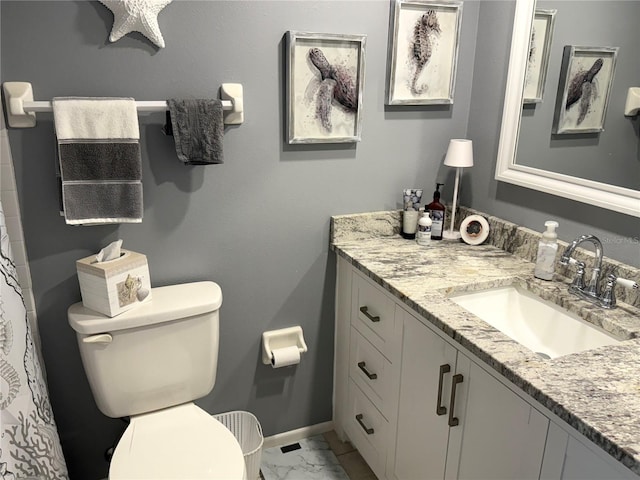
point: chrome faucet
(589, 290)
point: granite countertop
(597, 391)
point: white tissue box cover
(114, 286)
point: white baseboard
(285, 438)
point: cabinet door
(422, 434)
(583, 463)
(502, 437)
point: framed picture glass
(539, 51)
(586, 76)
(423, 52)
(325, 80)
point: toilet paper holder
(284, 337)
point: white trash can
(247, 430)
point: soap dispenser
(436, 213)
(547, 248)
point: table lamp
(459, 155)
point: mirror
(530, 164)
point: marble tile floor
(320, 457)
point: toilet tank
(160, 354)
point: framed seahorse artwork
(422, 55)
(538, 55)
(325, 81)
(586, 76)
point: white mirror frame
(619, 199)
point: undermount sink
(539, 325)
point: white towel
(99, 155)
(95, 118)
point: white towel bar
(142, 106)
(21, 108)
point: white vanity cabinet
(413, 405)
(418, 406)
(457, 421)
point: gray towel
(101, 181)
(99, 159)
(198, 130)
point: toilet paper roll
(285, 356)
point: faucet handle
(578, 281)
(608, 298)
(626, 283)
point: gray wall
(530, 208)
(258, 225)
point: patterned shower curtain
(30, 447)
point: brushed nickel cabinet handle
(365, 312)
(370, 376)
(457, 378)
(368, 430)
(441, 409)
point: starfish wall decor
(136, 16)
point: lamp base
(454, 236)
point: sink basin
(537, 324)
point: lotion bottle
(547, 248)
(423, 235)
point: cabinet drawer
(367, 430)
(371, 371)
(373, 314)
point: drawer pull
(365, 312)
(441, 409)
(364, 427)
(370, 376)
(457, 378)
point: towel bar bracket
(632, 105)
(21, 108)
(233, 92)
(16, 94)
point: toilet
(150, 363)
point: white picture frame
(423, 52)
(325, 82)
(539, 53)
(586, 77)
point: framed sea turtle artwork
(325, 82)
(424, 38)
(586, 76)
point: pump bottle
(436, 213)
(547, 248)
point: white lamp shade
(460, 153)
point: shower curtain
(30, 447)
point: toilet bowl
(149, 364)
(179, 442)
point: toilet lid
(177, 443)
